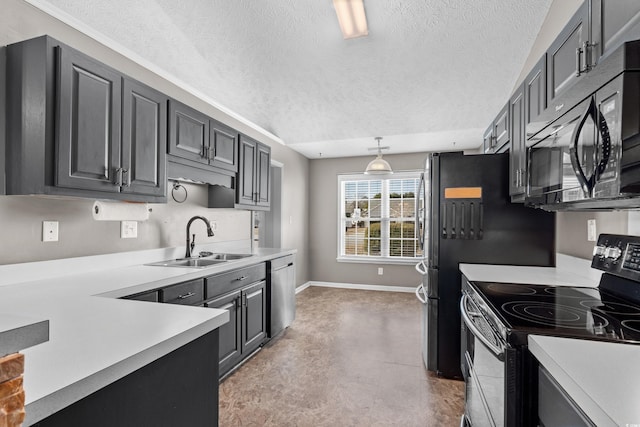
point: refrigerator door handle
(420, 290)
(421, 267)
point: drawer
(186, 293)
(236, 279)
(145, 296)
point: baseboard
(384, 288)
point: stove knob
(598, 251)
(613, 253)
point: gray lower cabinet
(243, 293)
(80, 128)
(230, 352)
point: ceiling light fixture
(352, 19)
(378, 166)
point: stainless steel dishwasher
(281, 293)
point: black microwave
(589, 157)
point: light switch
(49, 231)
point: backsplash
(80, 235)
(571, 229)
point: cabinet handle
(241, 278)
(578, 61)
(127, 183)
(212, 153)
(187, 295)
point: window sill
(379, 260)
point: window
(377, 218)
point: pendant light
(378, 166)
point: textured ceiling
(430, 73)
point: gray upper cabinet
(570, 55)
(188, 133)
(614, 22)
(144, 139)
(199, 141)
(80, 128)
(496, 137)
(254, 175)
(223, 147)
(517, 157)
(89, 106)
(525, 105)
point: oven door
(483, 368)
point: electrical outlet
(591, 230)
(49, 231)
(380, 271)
(214, 225)
(128, 229)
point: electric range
(497, 318)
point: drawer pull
(187, 295)
(241, 278)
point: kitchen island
(96, 338)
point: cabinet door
(535, 91)
(566, 62)
(254, 319)
(246, 190)
(223, 152)
(144, 140)
(188, 133)
(263, 176)
(619, 22)
(501, 128)
(516, 155)
(488, 143)
(89, 102)
(231, 332)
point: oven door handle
(497, 351)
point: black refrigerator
(464, 215)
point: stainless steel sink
(228, 257)
(207, 261)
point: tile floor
(351, 358)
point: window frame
(385, 219)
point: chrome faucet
(192, 242)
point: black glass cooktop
(563, 311)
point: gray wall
(323, 220)
(22, 216)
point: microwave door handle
(585, 183)
(605, 137)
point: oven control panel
(618, 254)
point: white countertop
(95, 339)
(19, 332)
(569, 271)
(601, 377)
